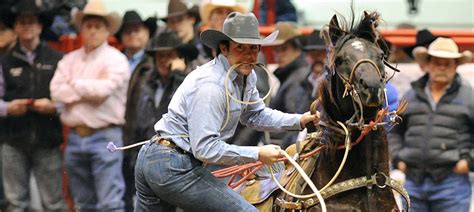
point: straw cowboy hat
(177, 8)
(132, 17)
(238, 27)
(443, 48)
(97, 8)
(208, 6)
(288, 30)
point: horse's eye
(338, 61)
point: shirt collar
(225, 63)
(137, 56)
(96, 51)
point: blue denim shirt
(198, 109)
(135, 59)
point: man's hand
(17, 107)
(177, 64)
(462, 167)
(402, 166)
(307, 117)
(269, 154)
(44, 106)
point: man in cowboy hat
(156, 88)
(433, 144)
(214, 12)
(91, 82)
(31, 128)
(292, 72)
(183, 21)
(169, 171)
(134, 35)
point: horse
(352, 95)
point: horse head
(356, 71)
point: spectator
(284, 10)
(423, 38)
(7, 34)
(91, 82)
(213, 14)
(433, 144)
(134, 34)
(192, 127)
(315, 51)
(292, 96)
(31, 128)
(182, 20)
(7, 42)
(158, 85)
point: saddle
(259, 190)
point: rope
(305, 177)
(229, 96)
(112, 147)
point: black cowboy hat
(313, 42)
(29, 7)
(166, 40)
(132, 17)
(6, 16)
(423, 37)
(177, 8)
(240, 28)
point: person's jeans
(166, 179)
(451, 194)
(95, 175)
(45, 164)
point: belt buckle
(165, 142)
(84, 131)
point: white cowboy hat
(207, 6)
(442, 48)
(97, 8)
(240, 28)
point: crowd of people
(170, 84)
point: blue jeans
(45, 164)
(166, 179)
(95, 175)
(451, 194)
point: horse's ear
(366, 14)
(335, 31)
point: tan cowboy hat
(288, 30)
(97, 8)
(207, 6)
(240, 28)
(443, 48)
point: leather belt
(85, 131)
